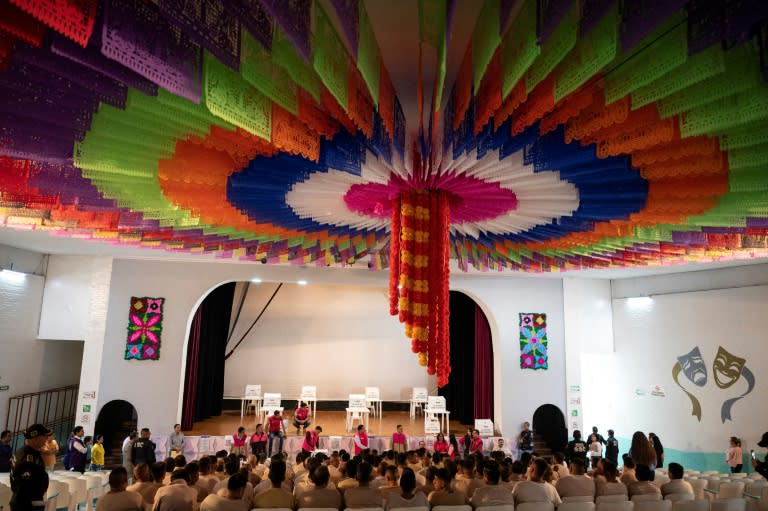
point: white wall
(668, 317)
(28, 364)
(64, 314)
(519, 392)
(338, 338)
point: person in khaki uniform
(320, 495)
(363, 495)
(232, 501)
(577, 484)
(443, 494)
(275, 496)
(117, 499)
(177, 496)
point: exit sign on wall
(3, 388)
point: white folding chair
(698, 487)
(731, 491)
(577, 498)
(691, 505)
(675, 497)
(79, 489)
(576, 506)
(500, 507)
(252, 398)
(373, 400)
(728, 505)
(309, 395)
(739, 475)
(63, 497)
(419, 397)
(625, 505)
(646, 497)
(452, 508)
(755, 488)
(611, 498)
(660, 479)
(534, 506)
(653, 505)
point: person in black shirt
(576, 448)
(143, 449)
(5, 451)
(525, 439)
(612, 448)
(29, 480)
(598, 435)
(761, 467)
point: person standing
(75, 457)
(595, 450)
(49, 451)
(97, 455)
(525, 439)
(143, 449)
(29, 480)
(126, 450)
(658, 449)
(576, 449)
(612, 448)
(360, 440)
(6, 451)
(734, 456)
(598, 435)
(276, 428)
(761, 467)
(176, 440)
(399, 440)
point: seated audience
(466, 480)
(676, 484)
(609, 486)
(363, 495)
(643, 485)
(232, 500)
(578, 484)
(537, 489)
(409, 496)
(117, 499)
(444, 494)
(177, 496)
(143, 482)
(232, 467)
(276, 496)
(628, 472)
(492, 494)
(558, 467)
(321, 494)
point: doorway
(116, 421)
(549, 426)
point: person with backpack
(576, 449)
(75, 456)
(29, 479)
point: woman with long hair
(657, 448)
(642, 451)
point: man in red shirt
(301, 417)
(276, 430)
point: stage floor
(332, 422)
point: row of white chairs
(626, 505)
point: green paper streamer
(330, 58)
(485, 38)
(729, 112)
(519, 48)
(368, 58)
(591, 54)
(660, 57)
(556, 48)
(272, 80)
(284, 54)
(432, 25)
(228, 96)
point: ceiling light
(301, 282)
(12, 276)
(256, 280)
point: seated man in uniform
(676, 483)
(117, 498)
(492, 494)
(577, 484)
(29, 480)
(643, 486)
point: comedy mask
(727, 368)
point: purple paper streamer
(348, 12)
(68, 183)
(506, 8)
(209, 24)
(757, 223)
(92, 58)
(293, 18)
(640, 17)
(712, 22)
(592, 11)
(136, 35)
(107, 90)
(399, 130)
(255, 19)
(694, 238)
(549, 14)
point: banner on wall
(533, 341)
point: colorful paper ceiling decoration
(591, 134)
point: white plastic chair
(79, 490)
(739, 475)
(755, 488)
(576, 506)
(660, 479)
(5, 498)
(646, 497)
(691, 505)
(731, 490)
(626, 505)
(653, 505)
(611, 498)
(324, 509)
(500, 507)
(418, 400)
(450, 508)
(675, 497)
(63, 497)
(532, 506)
(728, 505)
(698, 488)
(578, 498)
(366, 509)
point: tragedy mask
(693, 367)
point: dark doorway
(469, 392)
(549, 426)
(116, 421)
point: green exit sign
(3, 388)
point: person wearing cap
(612, 448)
(29, 480)
(761, 467)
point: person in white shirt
(502, 447)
